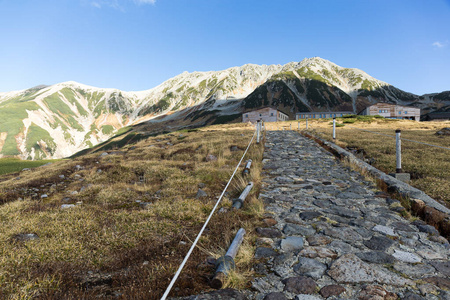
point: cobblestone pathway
(331, 234)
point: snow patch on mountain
(79, 115)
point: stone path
(331, 234)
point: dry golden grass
(112, 244)
(429, 166)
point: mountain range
(59, 120)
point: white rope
(175, 277)
(403, 139)
(442, 147)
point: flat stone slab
(415, 270)
(322, 252)
(344, 233)
(275, 296)
(443, 283)
(331, 290)
(67, 206)
(309, 215)
(264, 252)
(384, 229)
(380, 243)
(300, 285)
(310, 267)
(377, 257)
(291, 243)
(221, 294)
(406, 256)
(295, 229)
(282, 264)
(268, 232)
(427, 229)
(318, 240)
(26, 237)
(442, 266)
(372, 292)
(306, 297)
(350, 269)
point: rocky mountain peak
(58, 120)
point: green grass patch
(11, 165)
(309, 74)
(132, 137)
(226, 119)
(11, 116)
(56, 105)
(74, 123)
(123, 130)
(107, 129)
(37, 134)
(69, 95)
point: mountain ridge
(58, 120)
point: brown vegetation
(134, 218)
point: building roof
(267, 106)
(325, 112)
(392, 104)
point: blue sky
(138, 44)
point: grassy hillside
(11, 165)
(11, 116)
(132, 217)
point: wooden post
(334, 128)
(247, 167)
(226, 263)
(237, 203)
(398, 146)
(290, 126)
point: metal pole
(247, 167)
(298, 127)
(237, 203)
(398, 146)
(334, 128)
(258, 133)
(306, 123)
(226, 263)
(290, 126)
(234, 247)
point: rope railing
(399, 174)
(180, 268)
(379, 133)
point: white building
(392, 111)
(266, 114)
